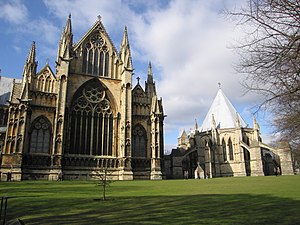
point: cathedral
(82, 118)
(225, 146)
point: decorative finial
(99, 17)
(138, 80)
(47, 61)
(219, 85)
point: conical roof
(223, 113)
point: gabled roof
(223, 113)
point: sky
(189, 44)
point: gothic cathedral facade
(85, 117)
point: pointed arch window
(230, 148)
(139, 136)
(40, 136)
(224, 150)
(91, 121)
(95, 56)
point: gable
(138, 94)
(96, 54)
(44, 81)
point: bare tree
(104, 181)
(270, 59)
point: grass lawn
(236, 200)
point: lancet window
(139, 141)
(230, 148)
(91, 122)
(40, 137)
(224, 150)
(95, 56)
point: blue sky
(188, 45)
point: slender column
(97, 135)
(86, 132)
(92, 133)
(107, 135)
(75, 133)
(102, 134)
(15, 130)
(80, 134)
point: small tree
(104, 180)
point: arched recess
(247, 158)
(139, 135)
(91, 121)
(40, 136)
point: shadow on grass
(191, 209)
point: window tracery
(95, 56)
(139, 141)
(40, 136)
(91, 123)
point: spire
(28, 72)
(125, 41)
(238, 123)
(225, 114)
(68, 27)
(30, 65)
(31, 55)
(196, 125)
(150, 84)
(66, 42)
(125, 51)
(150, 74)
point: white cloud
(187, 43)
(14, 11)
(85, 12)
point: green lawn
(243, 200)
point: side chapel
(84, 117)
(224, 145)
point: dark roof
(5, 89)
